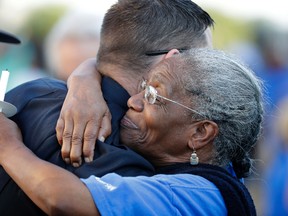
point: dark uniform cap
(6, 37)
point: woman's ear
(202, 133)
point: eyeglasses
(151, 95)
(161, 52)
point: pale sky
(273, 10)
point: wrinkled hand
(84, 117)
(9, 132)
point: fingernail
(87, 159)
(102, 138)
(67, 160)
(75, 164)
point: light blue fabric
(180, 194)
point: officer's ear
(171, 53)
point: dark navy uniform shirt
(39, 104)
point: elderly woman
(196, 114)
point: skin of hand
(79, 124)
(55, 190)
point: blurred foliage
(40, 21)
(37, 25)
(227, 30)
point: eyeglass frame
(150, 90)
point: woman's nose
(136, 102)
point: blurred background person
(275, 186)
(267, 53)
(73, 39)
(25, 62)
(55, 40)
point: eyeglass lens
(150, 94)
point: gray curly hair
(227, 92)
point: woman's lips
(127, 123)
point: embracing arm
(84, 116)
(55, 190)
